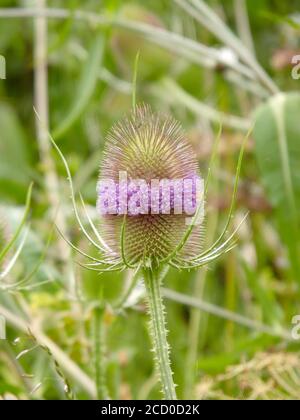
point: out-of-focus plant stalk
(206, 16)
(168, 86)
(41, 103)
(197, 318)
(243, 24)
(99, 353)
(235, 317)
(68, 365)
(185, 47)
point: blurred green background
(77, 73)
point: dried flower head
(148, 147)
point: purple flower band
(136, 197)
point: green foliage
(14, 157)
(229, 326)
(86, 86)
(278, 154)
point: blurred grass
(88, 92)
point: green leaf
(244, 348)
(86, 87)
(260, 284)
(277, 146)
(14, 161)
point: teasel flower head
(134, 232)
(142, 150)
(156, 174)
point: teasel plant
(148, 145)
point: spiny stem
(99, 354)
(159, 333)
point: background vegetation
(230, 325)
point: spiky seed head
(149, 146)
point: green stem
(99, 354)
(159, 333)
